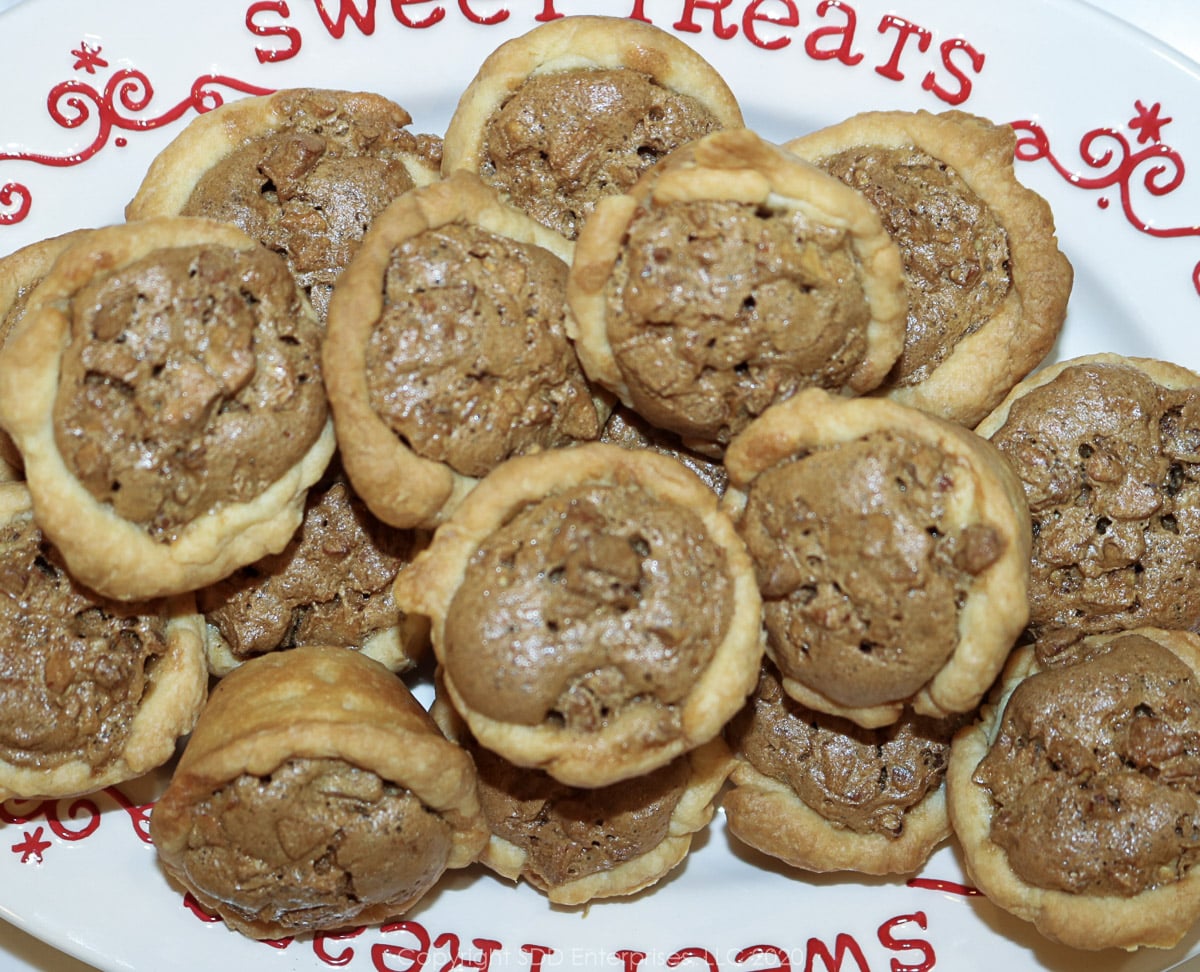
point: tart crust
(177, 687)
(984, 491)
(317, 702)
(115, 556)
(400, 486)
(999, 351)
(1158, 917)
(630, 742)
(581, 42)
(708, 768)
(739, 167)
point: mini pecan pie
(164, 389)
(1107, 449)
(20, 272)
(730, 277)
(1075, 796)
(315, 794)
(823, 794)
(447, 350)
(987, 284)
(94, 692)
(331, 585)
(577, 108)
(594, 613)
(892, 553)
(576, 844)
(303, 170)
(625, 427)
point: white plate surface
(94, 90)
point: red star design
(1148, 123)
(31, 846)
(88, 58)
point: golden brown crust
(178, 688)
(210, 137)
(769, 816)
(985, 491)
(318, 702)
(114, 556)
(1157, 918)
(580, 42)
(625, 745)
(1165, 373)
(985, 364)
(709, 767)
(400, 486)
(20, 272)
(737, 166)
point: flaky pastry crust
(768, 815)
(177, 687)
(985, 491)
(400, 486)
(997, 353)
(210, 137)
(580, 42)
(709, 767)
(317, 702)
(1158, 917)
(627, 743)
(114, 556)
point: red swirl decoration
(73, 103)
(1117, 163)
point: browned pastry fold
(823, 794)
(447, 350)
(20, 272)
(577, 108)
(594, 614)
(1104, 445)
(164, 389)
(987, 283)
(95, 692)
(1074, 796)
(891, 548)
(578, 844)
(731, 276)
(302, 170)
(315, 794)
(331, 585)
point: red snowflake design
(126, 94)
(1110, 153)
(68, 820)
(32, 846)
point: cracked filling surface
(954, 251)
(570, 832)
(331, 585)
(74, 669)
(565, 139)
(595, 600)
(1109, 462)
(313, 844)
(191, 380)
(310, 189)
(863, 779)
(862, 575)
(470, 362)
(717, 309)
(1095, 772)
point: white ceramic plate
(92, 91)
